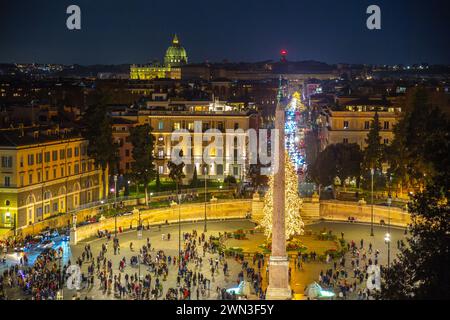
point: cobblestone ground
(299, 280)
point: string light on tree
(294, 222)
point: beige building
(44, 173)
(196, 117)
(350, 123)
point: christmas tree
(293, 204)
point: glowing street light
(387, 240)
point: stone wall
(339, 210)
(188, 212)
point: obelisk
(279, 288)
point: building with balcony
(44, 172)
(195, 118)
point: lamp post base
(73, 236)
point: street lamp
(372, 171)
(115, 189)
(115, 203)
(179, 232)
(387, 240)
(205, 171)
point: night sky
(136, 31)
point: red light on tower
(283, 53)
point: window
(127, 165)
(62, 154)
(161, 169)
(54, 173)
(21, 180)
(46, 175)
(39, 176)
(345, 124)
(55, 207)
(176, 126)
(6, 162)
(30, 159)
(77, 151)
(7, 181)
(366, 125)
(54, 155)
(127, 153)
(345, 140)
(236, 126)
(219, 169)
(386, 141)
(220, 126)
(161, 125)
(83, 167)
(161, 153)
(69, 170)
(62, 171)
(77, 168)
(386, 125)
(69, 153)
(47, 156)
(30, 178)
(21, 161)
(39, 158)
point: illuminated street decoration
(294, 134)
(293, 204)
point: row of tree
(422, 154)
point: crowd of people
(41, 281)
(348, 279)
(200, 261)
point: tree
(405, 166)
(293, 204)
(97, 129)
(158, 182)
(176, 173)
(323, 171)
(373, 153)
(421, 270)
(348, 161)
(341, 160)
(143, 168)
(229, 180)
(194, 181)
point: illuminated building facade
(171, 69)
(44, 173)
(196, 117)
(351, 122)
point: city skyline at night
(412, 32)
